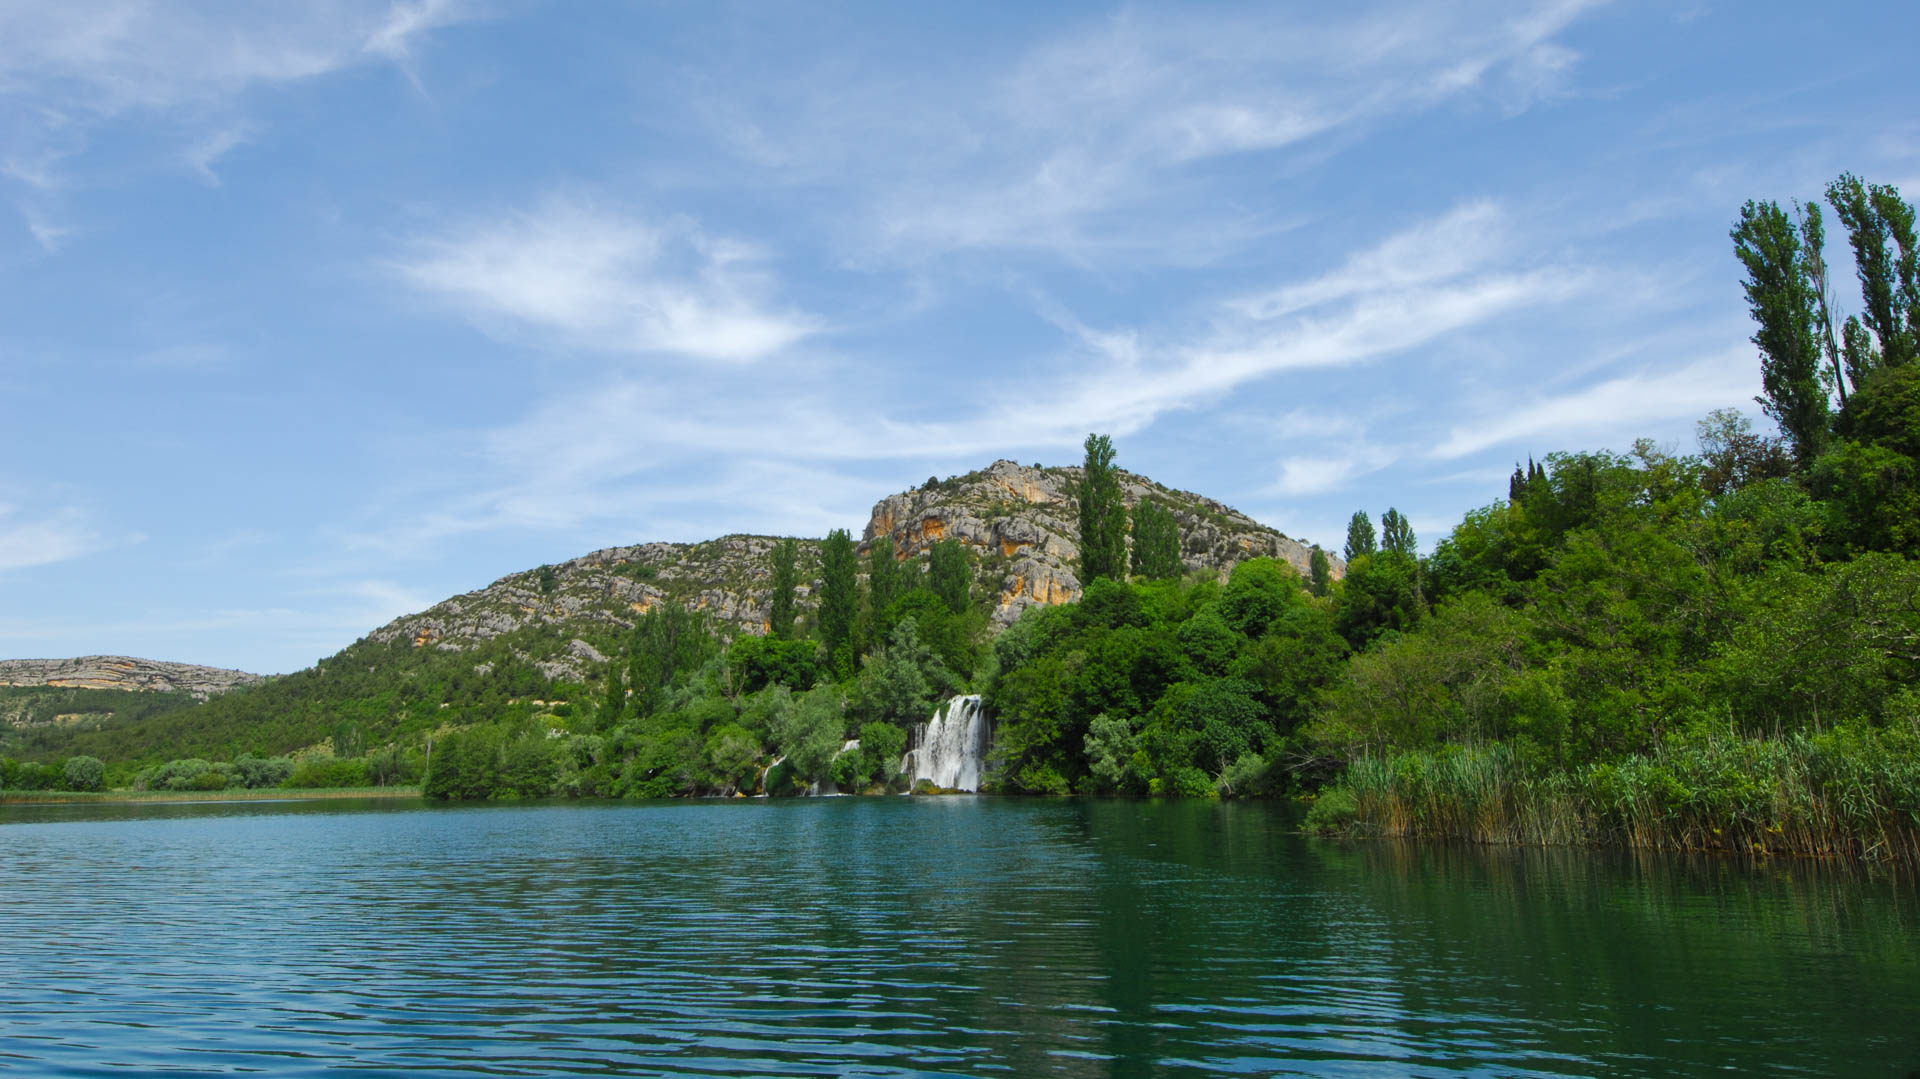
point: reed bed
(1851, 793)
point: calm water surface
(893, 937)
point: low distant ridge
(124, 672)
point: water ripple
(909, 937)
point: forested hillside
(1718, 648)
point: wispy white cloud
(1312, 475)
(1107, 141)
(1617, 406)
(608, 448)
(607, 280)
(210, 148)
(68, 68)
(46, 232)
(46, 534)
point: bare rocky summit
(1020, 522)
(124, 672)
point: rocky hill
(124, 673)
(1020, 523)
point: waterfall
(948, 749)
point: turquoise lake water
(923, 936)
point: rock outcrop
(124, 672)
(1022, 525)
(1019, 522)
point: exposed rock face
(1021, 523)
(123, 672)
(728, 578)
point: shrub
(315, 772)
(1333, 813)
(84, 774)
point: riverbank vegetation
(1678, 650)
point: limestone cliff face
(123, 672)
(1022, 524)
(1019, 522)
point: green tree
(1735, 456)
(886, 577)
(1396, 534)
(84, 773)
(1320, 573)
(839, 600)
(1880, 229)
(758, 662)
(1156, 542)
(786, 553)
(950, 574)
(1870, 482)
(1360, 538)
(882, 744)
(810, 733)
(1813, 246)
(901, 682)
(669, 642)
(1784, 301)
(1103, 514)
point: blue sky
(314, 313)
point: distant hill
(47, 703)
(1019, 522)
(543, 638)
(124, 672)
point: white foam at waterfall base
(948, 749)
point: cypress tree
(1103, 515)
(1319, 573)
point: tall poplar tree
(785, 576)
(1103, 515)
(1156, 542)
(885, 579)
(1360, 539)
(950, 574)
(1396, 534)
(1880, 229)
(1813, 259)
(839, 599)
(1782, 301)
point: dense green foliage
(1709, 650)
(839, 600)
(1161, 687)
(1103, 514)
(1156, 542)
(1360, 536)
(785, 577)
(950, 574)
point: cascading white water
(948, 749)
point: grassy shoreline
(268, 794)
(1853, 794)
